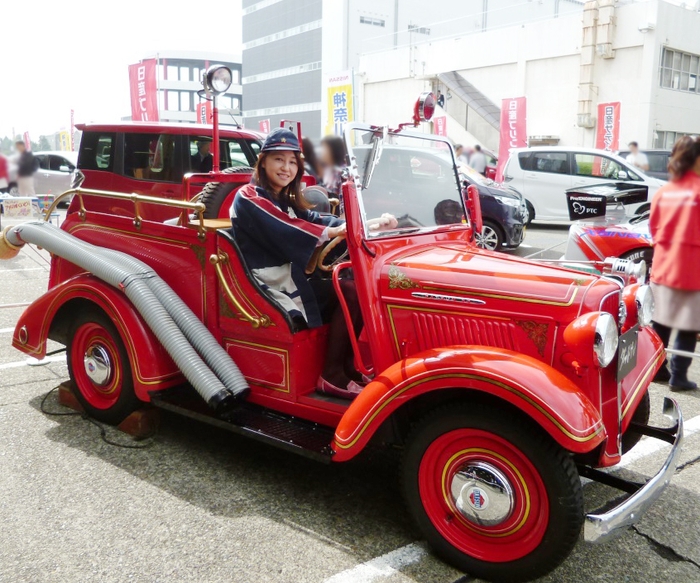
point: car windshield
(407, 176)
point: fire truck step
(283, 431)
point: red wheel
(492, 494)
(100, 369)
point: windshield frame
(386, 132)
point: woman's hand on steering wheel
(339, 231)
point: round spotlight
(218, 79)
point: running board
(283, 431)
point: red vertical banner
(440, 125)
(264, 126)
(608, 130)
(513, 130)
(204, 113)
(27, 141)
(144, 91)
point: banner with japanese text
(72, 130)
(144, 91)
(608, 131)
(440, 125)
(513, 130)
(339, 106)
(264, 126)
(204, 112)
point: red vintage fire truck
(502, 380)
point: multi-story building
(179, 78)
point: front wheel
(99, 367)
(491, 237)
(493, 495)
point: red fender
(538, 390)
(152, 367)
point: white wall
(542, 61)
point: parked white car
(544, 174)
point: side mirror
(473, 204)
(622, 175)
(64, 168)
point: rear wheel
(530, 213)
(99, 367)
(491, 236)
(492, 494)
(215, 194)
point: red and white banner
(27, 141)
(608, 131)
(513, 130)
(204, 112)
(144, 91)
(264, 126)
(440, 125)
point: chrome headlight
(644, 298)
(510, 201)
(605, 340)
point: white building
(565, 57)
(179, 78)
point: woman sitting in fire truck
(278, 233)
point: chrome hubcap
(482, 494)
(97, 365)
(487, 239)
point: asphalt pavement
(194, 503)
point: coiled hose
(184, 337)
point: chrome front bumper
(600, 527)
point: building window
(185, 101)
(679, 71)
(372, 21)
(418, 29)
(173, 101)
(665, 140)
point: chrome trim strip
(445, 298)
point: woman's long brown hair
(683, 156)
(290, 194)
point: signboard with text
(608, 131)
(339, 104)
(440, 125)
(144, 91)
(513, 130)
(264, 126)
(204, 112)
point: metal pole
(215, 135)
(683, 353)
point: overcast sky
(74, 54)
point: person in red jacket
(675, 278)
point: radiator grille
(440, 330)
(611, 304)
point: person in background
(27, 165)
(637, 158)
(311, 164)
(440, 99)
(478, 160)
(462, 157)
(673, 223)
(4, 174)
(203, 161)
(332, 160)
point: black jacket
(28, 164)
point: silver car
(56, 171)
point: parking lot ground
(194, 503)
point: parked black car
(658, 162)
(503, 209)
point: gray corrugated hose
(184, 337)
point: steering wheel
(334, 242)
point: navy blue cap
(281, 139)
